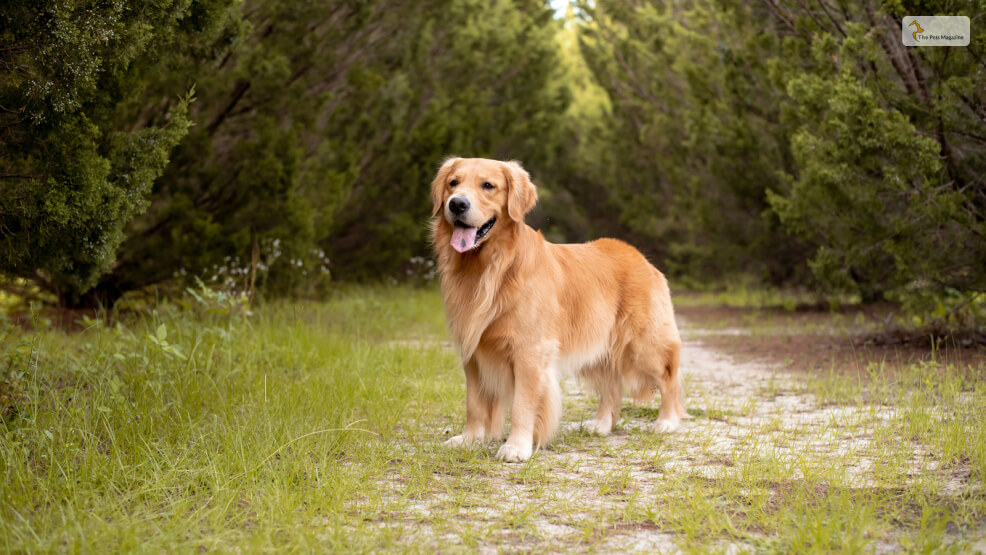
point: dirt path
(619, 493)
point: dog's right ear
(523, 195)
(438, 185)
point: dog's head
(475, 197)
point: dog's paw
(512, 453)
(597, 427)
(461, 440)
(664, 425)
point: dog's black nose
(458, 205)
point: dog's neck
(473, 282)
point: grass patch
(195, 428)
(743, 294)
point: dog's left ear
(438, 185)
(522, 194)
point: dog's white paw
(665, 425)
(511, 453)
(597, 427)
(461, 440)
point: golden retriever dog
(524, 311)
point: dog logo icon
(916, 25)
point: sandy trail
(743, 412)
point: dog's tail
(664, 317)
(674, 369)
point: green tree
(759, 137)
(890, 173)
(697, 135)
(72, 172)
(319, 125)
(315, 126)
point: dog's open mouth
(465, 237)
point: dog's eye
(488, 186)
(453, 183)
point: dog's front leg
(536, 409)
(484, 412)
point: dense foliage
(796, 143)
(75, 170)
(758, 137)
(320, 126)
(697, 133)
(315, 126)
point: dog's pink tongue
(463, 238)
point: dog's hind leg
(653, 368)
(602, 379)
(669, 381)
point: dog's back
(620, 322)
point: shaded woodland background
(287, 145)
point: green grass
(259, 432)
(742, 293)
(318, 427)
